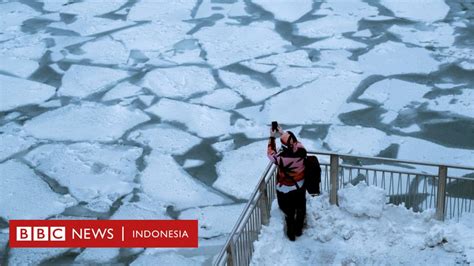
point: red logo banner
(103, 233)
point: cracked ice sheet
(36, 200)
(296, 58)
(317, 102)
(22, 92)
(33, 256)
(395, 94)
(354, 9)
(247, 87)
(437, 35)
(462, 104)
(13, 141)
(225, 99)
(121, 91)
(416, 10)
(240, 169)
(208, 8)
(163, 175)
(155, 36)
(179, 82)
(171, 11)
(170, 141)
(26, 47)
(214, 220)
(104, 50)
(86, 121)
(224, 44)
(96, 172)
(98, 255)
(81, 81)
(19, 67)
(86, 26)
(286, 10)
(13, 14)
(337, 42)
(326, 26)
(86, 8)
(204, 121)
(398, 59)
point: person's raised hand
(280, 130)
(272, 132)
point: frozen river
(127, 109)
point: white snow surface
(202, 120)
(86, 121)
(15, 92)
(364, 231)
(164, 180)
(397, 59)
(224, 43)
(36, 200)
(91, 172)
(238, 173)
(165, 139)
(286, 10)
(179, 82)
(417, 10)
(214, 220)
(81, 81)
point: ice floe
(144, 209)
(247, 87)
(240, 169)
(320, 102)
(81, 81)
(202, 120)
(88, 25)
(417, 10)
(437, 35)
(163, 178)
(224, 44)
(363, 33)
(395, 94)
(33, 256)
(104, 50)
(171, 258)
(86, 121)
(179, 82)
(189, 163)
(36, 200)
(353, 9)
(462, 104)
(13, 14)
(122, 91)
(337, 42)
(19, 67)
(208, 8)
(25, 46)
(22, 92)
(223, 99)
(89, 9)
(397, 59)
(286, 10)
(174, 11)
(13, 142)
(155, 36)
(89, 171)
(214, 220)
(295, 58)
(165, 139)
(326, 26)
(98, 255)
(356, 140)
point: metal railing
(418, 185)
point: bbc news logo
(103, 233)
(40, 233)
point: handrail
(243, 249)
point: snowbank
(364, 230)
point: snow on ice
(163, 175)
(86, 121)
(165, 139)
(22, 92)
(81, 81)
(340, 235)
(214, 220)
(224, 44)
(13, 142)
(121, 91)
(202, 120)
(96, 172)
(398, 59)
(179, 82)
(36, 200)
(238, 174)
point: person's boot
(290, 229)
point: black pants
(293, 204)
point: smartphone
(274, 125)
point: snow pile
(364, 230)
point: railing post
(230, 257)
(334, 179)
(441, 198)
(264, 208)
